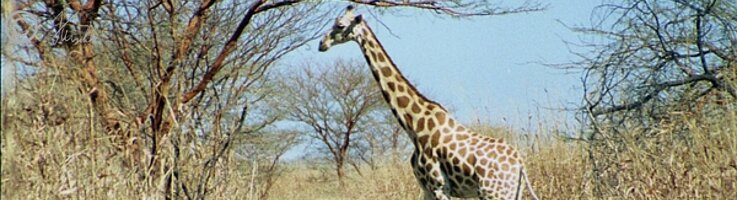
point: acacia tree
(171, 94)
(336, 103)
(159, 76)
(657, 59)
(658, 53)
(384, 140)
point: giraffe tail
(523, 172)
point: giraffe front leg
(437, 194)
(432, 188)
(430, 178)
(429, 191)
(436, 182)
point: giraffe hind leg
(486, 190)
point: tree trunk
(340, 168)
(395, 145)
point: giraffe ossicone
(449, 160)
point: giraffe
(448, 160)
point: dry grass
(391, 181)
(664, 163)
(53, 148)
(556, 169)
(50, 150)
(562, 170)
(61, 162)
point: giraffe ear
(358, 18)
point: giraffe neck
(418, 115)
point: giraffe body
(448, 160)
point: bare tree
(336, 103)
(658, 52)
(384, 140)
(167, 75)
(656, 59)
(264, 154)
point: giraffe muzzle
(322, 47)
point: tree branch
(437, 6)
(230, 46)
(657, 89)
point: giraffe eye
(339, 26)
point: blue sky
(483, 68)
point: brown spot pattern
(428, 152)
(391, 86)
(408, 120)
(386, 71)
(500, 148)
(430, 124)
(412, 93)
(466, 169)
(415, 108)
(382, 58)
(423, 139)
(402, 101)
(472, 159)
(420, 125)
(440, 116)
(492, 155)
(481, 171)
(447, 138)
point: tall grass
(687, 157)
(51, 150)
(390, 181)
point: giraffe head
(346, 28)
